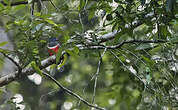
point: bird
(53, 46)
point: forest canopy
(113, 55)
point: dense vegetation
(123, 54)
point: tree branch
(45, 63)
(18, 3)
(146, 41)
(121, 44)
(54, 5)
(72, 93)
(51, 60)
(96, 76)
(15, 4)
(26, 71)
(107, 36)
(13, 61)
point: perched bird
(53, 47)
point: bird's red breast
(53, 50)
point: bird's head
(53, 46)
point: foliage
(137, 75)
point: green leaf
(120, 9)
(135, 93)
(143, 46)
(59, 25)
(18, 22)
(1, 62)
(35, 51)
(37, 14)
(82, 3)
(17, 8)
(63, 62)
(174, 39)
(58, 55)
(73, 52)
(3, 43)
(7, 1)
(114, 26)
(151, 62)
(164, 32)
(36, 68)
(4, 50)
(91, 15)
(1, 7)
(51, 22)
(52, 66)
(42, 41)
(155, 50)
(122, 58)
(76, 49)
(70, 52)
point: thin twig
(43, 7)
(96, 75)
(80, 19)
(13, 61)
(54, 5)
(134, 56)
(133, 61)
(86, 2)
(171, 79)
(135, 65)
(145, 85)
(32, 8)
(41, 3)
(72, 93)
(124, 65)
